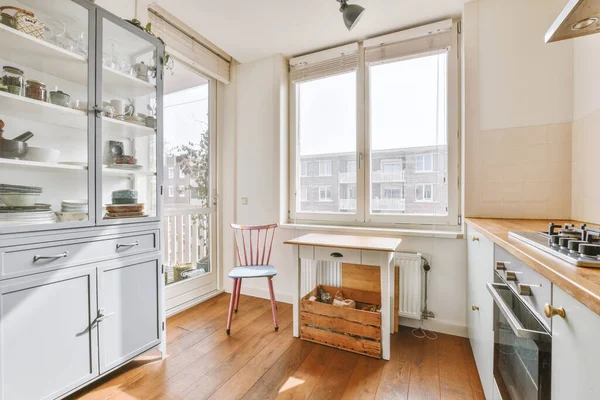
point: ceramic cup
(118, 106)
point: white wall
(586, 139)
(123, 8)
(518, 111)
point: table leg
(384, 265)
(296, 280)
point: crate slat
(366, 347)
(341, 325)
(359, 296)
(360, 316)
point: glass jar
(35, 90)
(13, 79)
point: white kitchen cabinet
(575, 350)
(129, 300)
(480, 264)
(48, 338)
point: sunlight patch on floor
(291, 383)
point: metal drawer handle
(101, 316)
(336, 255)
(38, 258)
(119, 245)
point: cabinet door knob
(474, 308)
(475, 239)
(551, 311)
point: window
(304, 168)
(424, 163)
(325, 193)
(171, 173)
(171, 191)
(304, 194)
(181, 190)
(367, 123)
(424, 192)
(181, 174)
(325, 168)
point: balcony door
(189, 187)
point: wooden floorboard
(256, 362)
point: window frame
(304, 194)
(171, 172)
(363, 215)
(330, 162)
(304, 171)
(422, 186)
(326, 188)
(424, 171)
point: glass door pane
(45, 128)
(188, 181)
(128, 123)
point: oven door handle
(512, 319)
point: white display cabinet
(81, 278)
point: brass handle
(551, 311)
(511, 276)
(475, 239)
(474, 308)
(500, 266)
(524, 290)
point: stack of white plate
(30, 215)
(18, 195)
(74, 206)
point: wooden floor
(256, 362)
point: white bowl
(41, 154)
(71, 216)
(19, 199)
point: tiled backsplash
(519, 172)
(585, 187)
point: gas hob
(577, 246)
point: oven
(522, 346)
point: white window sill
(364, 230)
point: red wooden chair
(253, 244)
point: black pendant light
(351, 13)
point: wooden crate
(353, 330)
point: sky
(407, 107)
(185, 116)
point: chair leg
(273, 304)
(231, 303)
(237, 297)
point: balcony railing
(347, 204)
(388, 205)
(381, 176)
(348, 177)
(186, 241)
(376, 176)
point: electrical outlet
(244, 201)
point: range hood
(579, 18)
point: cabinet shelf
(24, 107)
(123, 85)
(35, 165)
(108, 171)
(122, 129)
(24, 49)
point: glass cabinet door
(46, 177)
(128, 96)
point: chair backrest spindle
(257, 257)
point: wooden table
(377, 252)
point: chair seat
(254, 271)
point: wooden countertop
(581, 283)
(347, 242)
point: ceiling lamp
(350, 13)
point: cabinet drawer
(24, 260)
(337, 255)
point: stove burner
(579, 246)
(589, 250)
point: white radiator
(411, 285)
(320, 272)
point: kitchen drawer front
(541, 288)
(26, 260)
(337, 255)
